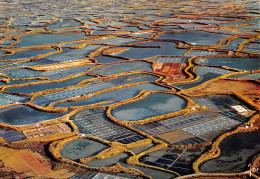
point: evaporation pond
(116, 95)
(132, 78)
(27, 53)
(64, 24)
(195, 37)
(22, 115)
(121, 159)
(81, 148)
(235, 153)
(112, 69)
(206, 74)
(154, 104)
(108, 161)
(43, 39)
(238, 63)
(51, 85)
(167, 48)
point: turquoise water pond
(41, 87)
(206, 74)
(121, 158)
(44, 39)
(249, 76)
(22, 115)
(236, 150)
(19, 82)
(154, 104)
(27, 54)
(98, 32)
(117, 95)
(168, 48)
(64, 24)
(238, 63)
(105, 59)
(196, 37)
(233, 45)
(109, 161)
(132, 29)
(81, 148)
(132, 78)
(123, 67)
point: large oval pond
(154, 104)
(81, 148)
